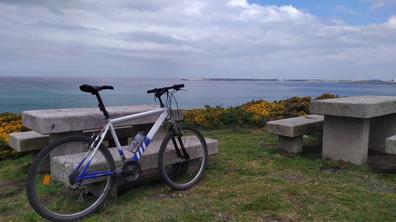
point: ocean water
(29, 93)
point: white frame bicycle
(131, 168)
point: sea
(30, 93)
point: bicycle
(83, 186)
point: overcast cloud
(189, 39)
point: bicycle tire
(162, 166)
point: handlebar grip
(107, 87)
(152, 90)
(178, 86)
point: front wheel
(183, 157)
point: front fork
(180, 151)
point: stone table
(354, 124)
(59, 121)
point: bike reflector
(46, 179)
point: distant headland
(371, 81)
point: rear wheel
(182, 158)
(52, 188)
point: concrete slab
(346, 139)
(297, 126)
(390, 145)
(355, 106)
(79, 119)
(62, 166)
(31, 140)
(28, 141)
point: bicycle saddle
(94, 89)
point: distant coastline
(373, 81)
(239, 79)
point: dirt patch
(161, 196)
(379, 186)
(232, 170)
(293, 177)
(10, 189)
(268, 218)
(224, 216)
(332, 169)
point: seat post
(102, 106)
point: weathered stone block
(28, 141)
(355, 106)
(346, 139)
(297, 126)
(31, 140)
(81, 119)
(390, 145)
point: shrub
(9, 123)
(254, 113)
(326, 96)
(261, 111)
(296, 106)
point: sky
(312, 39)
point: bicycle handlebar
(158, 92)
(161, 91)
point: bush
(326, 96)
(7, 152)
(9, 123)
(296, 106)
(254, 113)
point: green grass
(247, 181)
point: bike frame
(163, 115)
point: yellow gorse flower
(9, 123)
(252, 113)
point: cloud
(391, 22)
(175, 38)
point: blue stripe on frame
(142, 148)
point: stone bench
(34, 141)
(62, 166)
(291, 131)
(28, 141)
(390, 145)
